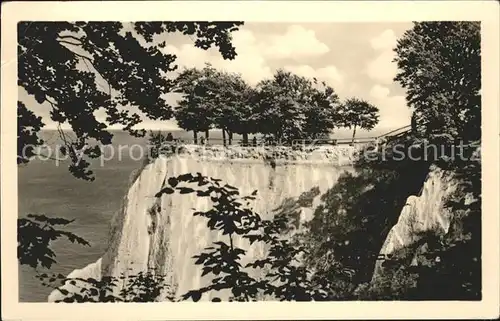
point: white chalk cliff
(163, 233)
(422, 213)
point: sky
(353, 58)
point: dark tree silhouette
(34, 235)
(145, 286)
(214, 99)
(356, 113)
(440, 68)
(194, 111)
(291, 107)
(322, 115)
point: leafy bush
(145, 286)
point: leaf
(185, 190)
(195, 295)
(166, 190)
(202, 193)
(172, 181)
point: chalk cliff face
(423, 213)
(163, 233)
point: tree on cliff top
(322, 115)
(194, 111)
(440, 68)
(291, 107)
(356, 113)
(76, 69)
(214, 98)
(234, 111)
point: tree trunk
(207, 136)
(223, 137)
(195, 136)
(353, 135)
(230, 135)
(245, 139)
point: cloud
(330, 74)
(394, 111)
(254, 54)
(297, 42)
(249, 62)
(383, 68)
(385, 40)
(379, 92)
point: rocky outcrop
(340, 155)
(423, 213)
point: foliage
(237, 114)
(213, 98)
(230, 217)
(34, 235)
(356, 113)
(28, 124)
(76, 69)
(457, 254)
(192, 112)
(352, 224)
(285, 279)
(146, 286)
(292, 107)
(160, 144)
(440, 68)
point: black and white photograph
(240, 160)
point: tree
(322, 116)
(214, 98)
(234, 109)
(194, 111)
(440, 68)
(76, 69)
(356, 113)
(290, 107)
(279, 105)
(245, 117)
